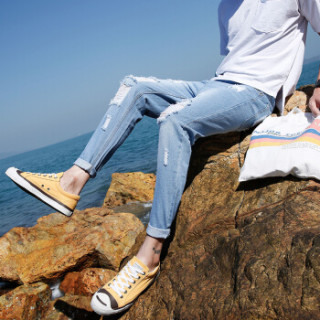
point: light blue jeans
(185, 111)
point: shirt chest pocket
(271, 15)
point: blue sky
(62, 61)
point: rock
(58, 244)
(130, 187)
(300, 99)
(25, 302)
(238, 251)
(86, 282)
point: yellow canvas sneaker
(120, 293)
(46, 187)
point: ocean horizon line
(18, 153)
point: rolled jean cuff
(157, 233)
(86, 166)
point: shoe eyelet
(48, 189)
(126, 291)
(42, 185)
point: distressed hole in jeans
(165, 157)
(126, 85)
(106, 123)
(173, 108)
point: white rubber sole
(28, 187)
(103, 311)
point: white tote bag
(284, 145)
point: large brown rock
(248, 251)
(57, 244)
(25, 302)
(130, 187)
(86, 282)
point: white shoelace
(125, 278)
(45, 174)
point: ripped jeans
(185, 111)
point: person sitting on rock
(264, 42)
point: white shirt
(264, 42)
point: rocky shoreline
(237, 251)
(68, 259)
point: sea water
(17, 208)
(138, 153)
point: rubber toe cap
(101, 304)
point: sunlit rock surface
(58, 244)
(130, 187)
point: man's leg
(74, 179)
(135, 98)
(219, 107)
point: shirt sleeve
(310, 9)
